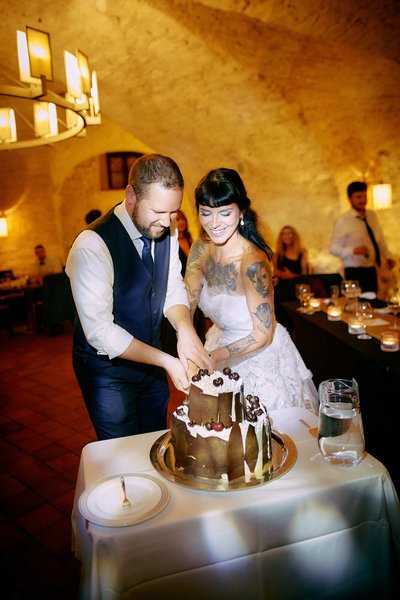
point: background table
(320, 531)
(329, 351)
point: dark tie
(373, 240)
(146, 254)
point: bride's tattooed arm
(241, 345)
(259, 275)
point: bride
(229, 276)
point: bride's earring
(241, 221)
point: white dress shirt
(49, 267)
(349, 232)
(90, 269)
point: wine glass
(393, 301)
(351, 289)
(303, 293)
(364, 312)
(334, 289)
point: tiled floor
(43, 427)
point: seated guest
(45, 264)
(291, 258)
(290, 261)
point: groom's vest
(138, 298)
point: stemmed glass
(334, 293)
(351, 289)
(364, 312)
(303, 293)
(393, 300)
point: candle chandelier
(36, 115)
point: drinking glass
(393, 301)
(334, 293)
(340, 429)
(303, 293)
(364, 312)
(351, 289)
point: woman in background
(291, 258)
(184, 238)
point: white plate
(101, 503)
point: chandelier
(38, 116)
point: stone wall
(300, 97)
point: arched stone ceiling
(299, 96)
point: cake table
(319, 531)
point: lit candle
(389, 341)
(334, 312)
(315, 303)
(356, 326)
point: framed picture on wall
(118, 167)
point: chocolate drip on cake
(235, 453)
(267, 448)
(251, 452)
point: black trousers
(119, 408)
(367, 277)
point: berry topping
(192, 423)
(249, 397)
(258, 412)
(203, 372)
(196, 377)
(219, 381)
(180, 412)
(217, 425)
(251, 418)
(208, 426)
(235, 376)
(226, 371)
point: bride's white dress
(275, 373)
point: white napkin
(376, 322)
(368, 295)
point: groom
(125, 274)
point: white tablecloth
(320, 531)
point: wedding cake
(217, 433)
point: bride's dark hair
(221, 187)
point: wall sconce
(381, 196)
(3, 227)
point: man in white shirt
(45, 264)
(125, 274)
(359, 241)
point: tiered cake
(218, 433)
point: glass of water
(340, 430)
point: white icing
(201, 430)
(229, 385)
